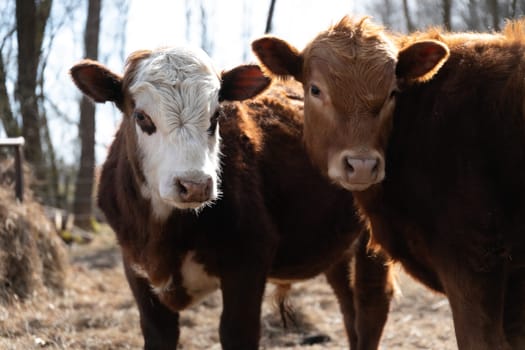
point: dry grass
(32, 256)
(96, 311)
(51, 298)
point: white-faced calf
(205, 194)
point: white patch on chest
(195, 280)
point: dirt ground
(97, 311)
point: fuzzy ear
(97, 81)
(279, 57)
(243, 82)
(421, 61)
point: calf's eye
(314, 90)
(144, 122)
(393, 94)
(139, 116)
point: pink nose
(361, 170)
(190, 190)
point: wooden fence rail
(17, 143)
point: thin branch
(7, 37)
(408, 16)
(269, 20)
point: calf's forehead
(179, 79)
(170, 65)
(358, 67)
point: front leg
(374, 287)
(160, 325)
(364, 300)
(514, 315)
(242, 293)
(477, 303)
(339, 279)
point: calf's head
(170, 99)
(351, 74)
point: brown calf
(184, 233)
(428, 131)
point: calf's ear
(97, 82)
(242, 82)
(279, 57)
(420, 61)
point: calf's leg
(477, 300)
(514, 313)
(339, 279)
(242, 293)
(364, 299)
(160, 325)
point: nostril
(194, 190)
(375, 167)
(348, 165)
(183, 190)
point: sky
(155, 23)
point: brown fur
(451, 206)
(277, 219)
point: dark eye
(144, 122)
(213, 121)
(314, 90)
(393, 94)
(139, 116)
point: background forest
(66, 136)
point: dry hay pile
(32, 256)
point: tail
(286, 310)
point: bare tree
(390, 12)
(50, 189)
(31, 19)
(83, 203)
(9, 122)
(493, 8)
(447, 6)
(246, 30)
(269, 20)
(513, 8)
(188, 15)
(472, 18)
(408, 16)
(206, 38)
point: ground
(97, 311)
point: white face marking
(178, 89)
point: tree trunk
(9, 122)
(513, 9)
(270, 18)
(473, 21)
(408, 17)
(28, 24)
(31, 19)
(52, 187)
(83, 202)
(206, 41)
(447, 6)
(494, 11)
